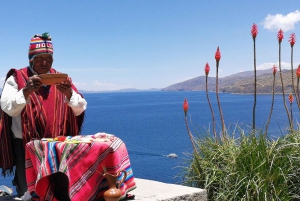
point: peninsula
(242, 83)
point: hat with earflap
(39, 44)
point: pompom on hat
(39, 44)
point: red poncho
(47, 115)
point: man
(31, 110)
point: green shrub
(250, 167)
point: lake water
(152, 124)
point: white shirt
(13, 102)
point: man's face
(42, 63)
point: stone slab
(149, 190)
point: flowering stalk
(272, 105)
(280, 37)
(218, 57)
(254, 32)
(298, 76)
(291, 100)
(292, 41)
(185, 109)
(207, 69)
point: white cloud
(99, 86)
(284, 65)
(265, 66)
(279, 21)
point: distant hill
(239, 83)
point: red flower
(298, 71)
(207, 69)
(274, 69)
(292, 39)
(254, 31)
(280, 35)
(291, 98)
(218, 54)
(185, 106)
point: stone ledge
(149, 190)
(9, 198)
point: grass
(248, 167)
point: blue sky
(110, 45)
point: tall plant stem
(292, 71)
(282, 86)
(212, 112)
(291, 109)
(220, 109)
(297, 88)
(272, 105)
(190, 134)
(254, 104)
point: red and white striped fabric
(80, 163)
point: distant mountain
(242, 82)
(250, 73)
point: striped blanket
(80, 163)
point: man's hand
(33, 84)
(65, 88)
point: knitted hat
(39, 44)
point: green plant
(292, 41)
(298, 76)
(247, 166)
(218, 57)
(291, 100)
(250, 167)
(280, 37)
(185, 109)
(207, 69)
(273, 89)
(254, 32)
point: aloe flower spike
(292, 41)
(185, 109)
(274, 68)
(218, 54)
(254, 31)
(280, 37)
(185, 106)
(291, 98)
(207, 69)
(218, 57)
